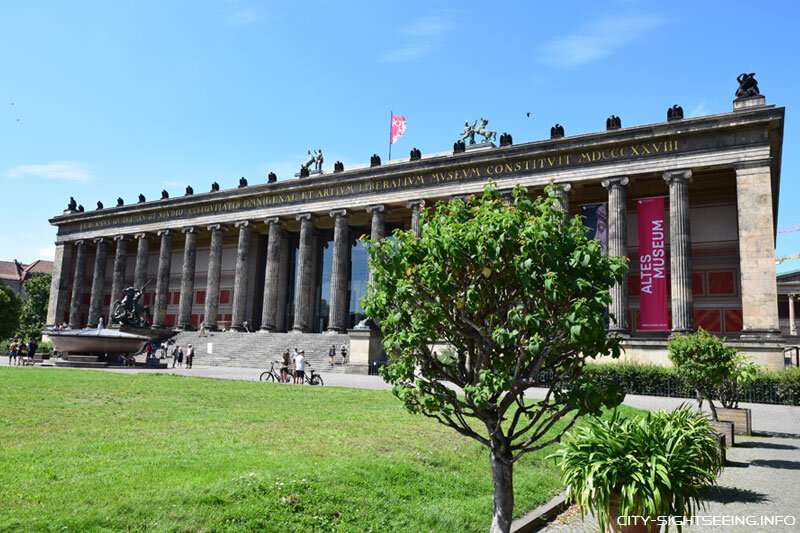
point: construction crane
(779, 260)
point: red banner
(652, 264)
(398, 128)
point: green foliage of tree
(519, 296)
(10, 309)
(704, 361)
(34, 310)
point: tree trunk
(502, 476)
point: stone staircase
(258, 350)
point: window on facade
(708, 319)
(225, 297)
(200, 297)
(721, 283)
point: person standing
(175, 352)
(202, 329)
(180, 357)
(32, 347)
(344, 353)
(332, 353)
(189, 356)
(285, 360)
(300, 368)
(22, 351)
(12, 352)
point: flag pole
(391, 113)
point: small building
(285, 255)
(15, 274)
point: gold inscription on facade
(492, 170)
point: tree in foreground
(520, 298)
(34, 311)
(10, 309)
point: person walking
(175, 352)
(332, 353)
(32, 347)
(344, 353)
(189, 356)
(202, 329)
(300, 368)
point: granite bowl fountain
(94, 346)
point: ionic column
(214, 272)
(618, 246)
(339, 271)
(187, 278)
(415, 206)
(98, 277)
(59, 285)
(77, 285)
(162, 279)
(283, 285)
(118, 276)
(378, 230)
(142, 251)
(757, 253)
(241, 279)
(269, 309)
(562, 193)
(304, 283)
(792, 325)
(680, 243)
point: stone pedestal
(365, 350)
(741, 104)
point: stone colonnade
(756, 242)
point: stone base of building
(766, 353)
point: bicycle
(311, 376)
(272, 374)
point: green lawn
(98, 451)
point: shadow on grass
(735, 495)
(776, 463)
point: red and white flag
(398, 128)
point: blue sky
(105, 99)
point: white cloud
(177, 184)
(48, 253)
(418, 39)
(244, 17)
(597, 40)
(699, 110)
(59, 170)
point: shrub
(658, 464)
(705, 362)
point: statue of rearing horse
(487, 133)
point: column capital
(189, 229)
(216, 227)
(241, 223)
(411, 204)
(273, 220)
(380, 208)
(619, 181)
(304, 216)
(565, 186)
(163, 232)
(79, 242)
(757, 164)
(98, 240)
(341, 213)
(141, 235)
(119, 237)
(682, 174)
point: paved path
(762, 478)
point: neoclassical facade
(285, 256)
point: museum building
(286, 256)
